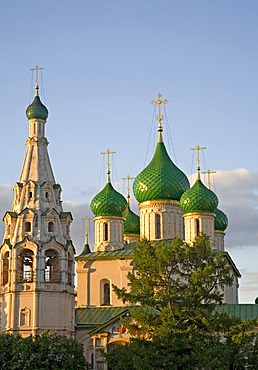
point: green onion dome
(221, 220)
(132, 222)
(37, 110)
(108, 202)
(199, 199)
(161, 179)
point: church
(37, 255)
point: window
(6, 268)
(27, 227)
(30, 194)
(197, 226)
(46, 194)
(105, 292)
(52, 271)
(25, 317)
(157, 226)
(105, 231)
(25, 265)
(51, 227)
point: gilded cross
(128, 178)
(198, 148)
(37, 69)
(108, 152)
(208, 172)
(159, 117)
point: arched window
(27, 226)
(105, 292)
(51, 227)
(52, 269)
(6, 268)
(157, 226)
(25, 265)
(105, 231)
(197, 226)
(70, 269)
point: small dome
(108, 202)
(221, 220)
(161, 179)
(132, 222)
(199, 199)
(37, 110)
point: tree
(174, 289)
(45, 351)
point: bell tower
(37, 254)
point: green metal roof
(132, 222)
(65, 215)
(199, 199)
(161, 179)
(108, 202)
(124, 253)
(37, 110)
(93, 317)
(221, 220)
(243, 311)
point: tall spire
(108, 152)
(198, 148)
(159, 116)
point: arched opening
(51, 227)
(105, 231)
(157, 226)
(197, 226)
(105, 292)
(6, 268)
(25, 265)
(70, 269)
(27, 226)
(52, 269)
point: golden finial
(160, 116)
(108, 152)
(37, 69)
(208, 172)
(86, 219)
(128, 178)
(198, 148)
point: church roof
(221, 220)
(37, 110)
(132, 222)
(93, 317)
(243, 311)
(96, 318)
(161, 179)
(124, 253)
(199, 199)
(108, 202)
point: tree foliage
(175, 289)
(47, 351)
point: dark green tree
(47, 351)
(174, 289)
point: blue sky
(104, 61)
